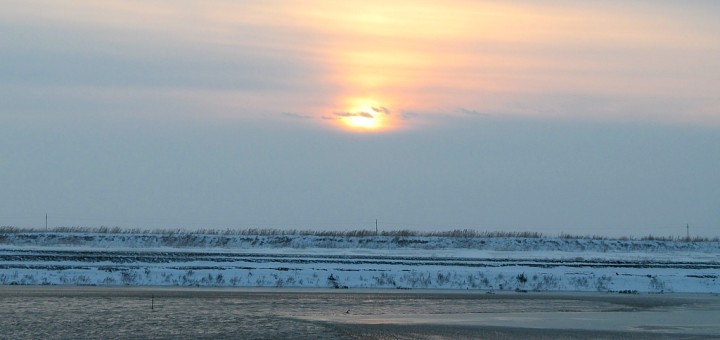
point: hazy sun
(365, 115)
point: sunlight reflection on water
(92, 312)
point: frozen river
(109, 312)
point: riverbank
(464, 261)
(465, 269)
(168, 312)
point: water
(95, 312)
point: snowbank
(521, 264)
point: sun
(361, 122)
(365, 115)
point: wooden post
(152, 302)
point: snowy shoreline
(368, 262)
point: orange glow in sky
(331, 62)
(496, 57)
(365, 115)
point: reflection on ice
(34, 312)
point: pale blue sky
(592, 118)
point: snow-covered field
(524, 264)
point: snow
(519, 264)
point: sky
(580, 117)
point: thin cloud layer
(354, 114)
(632, 60)
(381, 109)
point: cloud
(381, 109)
(471, 112)
(297, 115)
(410, 115)
(354, 114)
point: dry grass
(457, 233)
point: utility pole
(687, 226)
(46, 228)
(376, 228)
